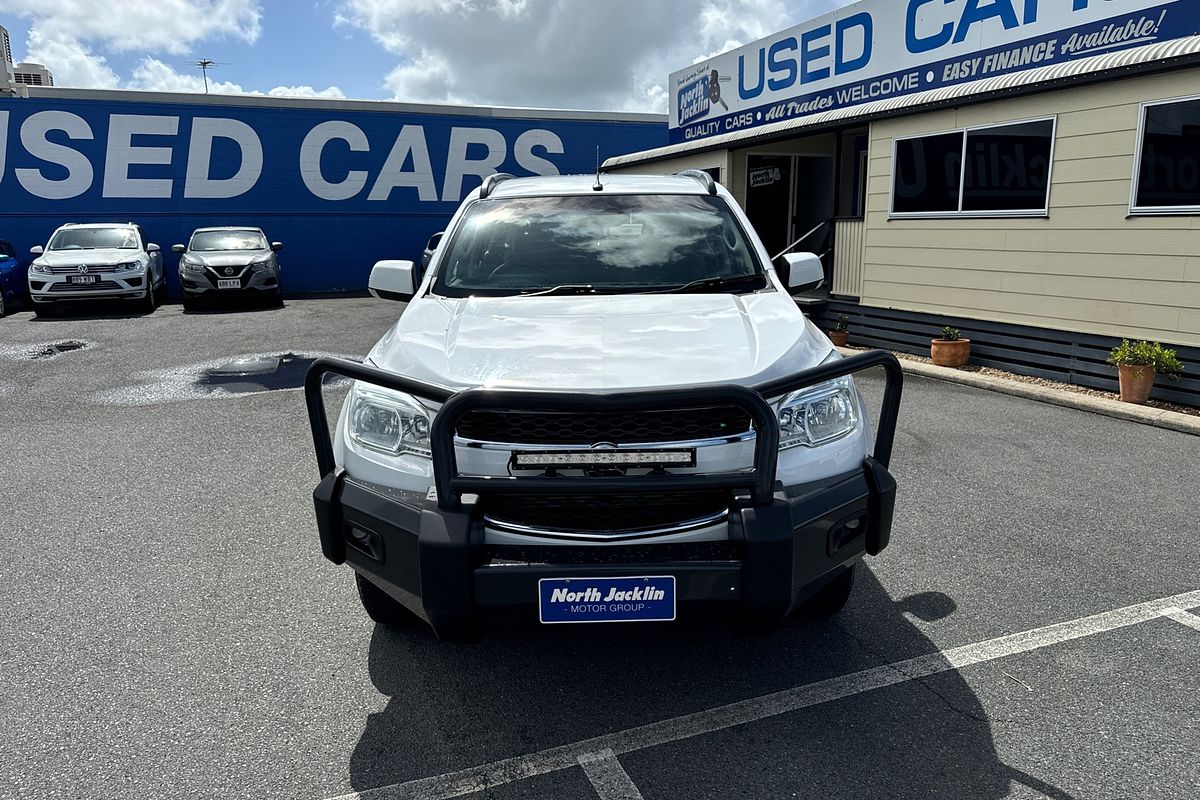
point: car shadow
(233, 305)
(87, 310)
(526, 688)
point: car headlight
(128, 266)
(819, 414)
(188, 265)
(262, 263)
(38, 266)
(387, 421)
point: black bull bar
(759, 482)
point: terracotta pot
(947, 353)
(1136, 383)
(839, 338)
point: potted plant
(1138, 363)
(951, 350)
(840, 334)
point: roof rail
(491, 182)
(705, 179)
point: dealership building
(1025, 170)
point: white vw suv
(601, 404)
(96, 261)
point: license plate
(229, 283)
(82, 279)
(642, 599)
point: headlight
(819, 414)
(387, 421)
(38, 266)
(128, 266)
(262, 263)
(188, 265)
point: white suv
(96, 261)
(602, 405)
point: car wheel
(190, 303)
(381, 607)
(150, 301)
(2, 308)
(43, 309)
(833, 597)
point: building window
(1167, 178)
(1007, 171)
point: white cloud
(64, 35)
(567, 53)
(169, 25)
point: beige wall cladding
(1088, 267)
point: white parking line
(476, 779)
(608, 777)
(1182, 617)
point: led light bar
(578, 459)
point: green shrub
(951, 334)
(842, 324)
(1164, 360)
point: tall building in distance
(31, 74)
(7, 76)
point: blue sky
(612, 54)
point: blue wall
(332, 203)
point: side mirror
(392, 280)
(37, 250)
(434, 241)
(805, 271)
(152, 248)
(276, 246)
(178, 248)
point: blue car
(13, 285)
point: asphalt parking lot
(170, 629)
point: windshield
(601, 243)
(94, 239)
(227, 240)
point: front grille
(604, 513)
(240, 274)
(85, 287)
(500, 554)
(74, 270)
(638, 427)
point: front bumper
(435, 561)
(45, 288)
(432, 554)
(250, 282)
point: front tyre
(832, 597)
(381, 607)
(43, 310)
(150, 301)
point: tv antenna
(205, 64)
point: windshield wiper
(710, 283)
(566, 288)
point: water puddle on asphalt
(250, 374)
(55, 349)
(258, 373)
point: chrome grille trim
(685, 526)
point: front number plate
(642, 599)
(232, 283)
(82, 279)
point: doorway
(787, 196)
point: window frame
(1139, 144)
(1031, 213)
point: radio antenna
(598, 186)
(205, 64)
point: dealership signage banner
(342, 187)
(878, 49)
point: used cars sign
(877, 49)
